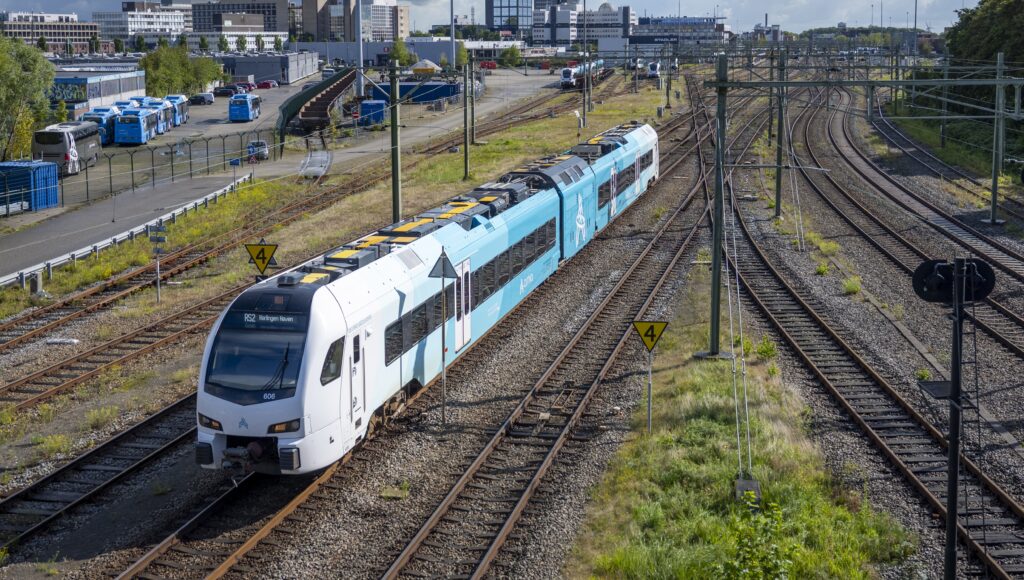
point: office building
(166, 6)
(563, 24)
(274, 12)
(382, 20)
(510, 18)
(127, 25)
(63, 32)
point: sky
(792, 15)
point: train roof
(467, 210)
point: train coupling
(242, 459)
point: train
(654, 70)
(300, 366)
(573, 76)
(245, 107)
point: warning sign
(262, 254)
(650, 332)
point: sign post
(156, 253)
(650, 333)
(262, 255)
(443, 269)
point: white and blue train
(300, 366)
(573, 76)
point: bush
(828, 248)
(766, 349)
(822, 269)
(923, 374)
(101, 417)
(51, 445)
(851, 285)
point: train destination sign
(262, 254)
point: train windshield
(256, 356)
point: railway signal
(963, 281)
(262, 255)
(650, 333)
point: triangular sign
(262, 254)
(443, 266)
(650, 332)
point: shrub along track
(991, 522)
(189, 550)
(45, 506)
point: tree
(42, 44)
(140, 43)
(443, 61)
(94, 43)
(461, 55)
(222, 43)
(118, 45)
(400, 51)
(240, 43)
(171, 70)
(60, 112)
(27, 77)
(278, 45)
(161, 42)
(259, 43)
(204, 45)
(182, 40)
(510, 57)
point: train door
(463, 306)
(357, 394)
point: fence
(22, 276)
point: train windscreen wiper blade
(278, 376)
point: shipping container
(372, 112)
(28, 186)
(419, 92)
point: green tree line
(991, 27)
(169, 70)
(24, 105)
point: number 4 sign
(650, 333)
(262, 255)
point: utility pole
(771, 77)
(451, 5)
(719, 209)
(472, 102)
(945, 95)
(997, 141)
(465, 121)
(396, 151)
(779, 135)
(360, 82)
(952, 482)
(636, 72)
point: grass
(49, 446)
(766, 349)
(101, 417)
(851, 285)
(821, 269)
(666, 508)
(923, 374)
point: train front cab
(304, 421)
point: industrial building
(425, 47)
(126, 25)
(283, 68)
(84, 88)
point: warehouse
(84, 89)
(283, 68)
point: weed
(704, 254)
(748, 345)
(897, 311)
(766, 349)
(828, 248)
(760, 550)
(923, 374)
(47, 569)
(851, 285)
(658, 212)
(49, 446)
(46, 412)
(7, 415)
(822, 269)
(773, 369)
(160, 488)
(101, 417)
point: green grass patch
(666, 508)
(101, 417)
(49, 446)
(851, 285)
(821, 269)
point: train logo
(581, 221)
(242, 424)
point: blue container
(420, 92)
(372, 112)
(33, 184)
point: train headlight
(286, 427)
(209, 423)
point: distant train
(299, 367)
(654, 70)
(245, 107)
(573, 76)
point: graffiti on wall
(68, 92)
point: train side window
(459, 298)
(604, 193)
(530, 246)
(332, 364)
(450, 301)
(393, 341)
(356, 351)
(552, 233)
(517, 258)
(433, 312)
(416, 326)
(486, 281)
(504, 261)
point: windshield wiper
(278, 376)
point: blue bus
(179, 107)
(125, 105)
(165, 115)
(244, 108)
(135, 126)
(104, 121)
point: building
(294, 19)
(62, 31)
(335, 20)
(562, 24)
(83, 87)
(127, 25)
(238, 23)
(275, 13)
(510, 18)
(656, 37)
(165, 6)
(213, 39)
(283, 68)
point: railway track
(991, 522)
(33, 508)
(999, 255)
(39, 321)
(186, 553)
(996, 319)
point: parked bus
(179, 107)
(135, 126)
(72, 145)
(104, 121)
(244, 108)
(164, 112)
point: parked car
(202, 99)
(488, 65)
(260, 148)
(307, 85)
(228, 91)
(249, 87)
(266, 84)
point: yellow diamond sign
(650, 332)
(261, 254)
